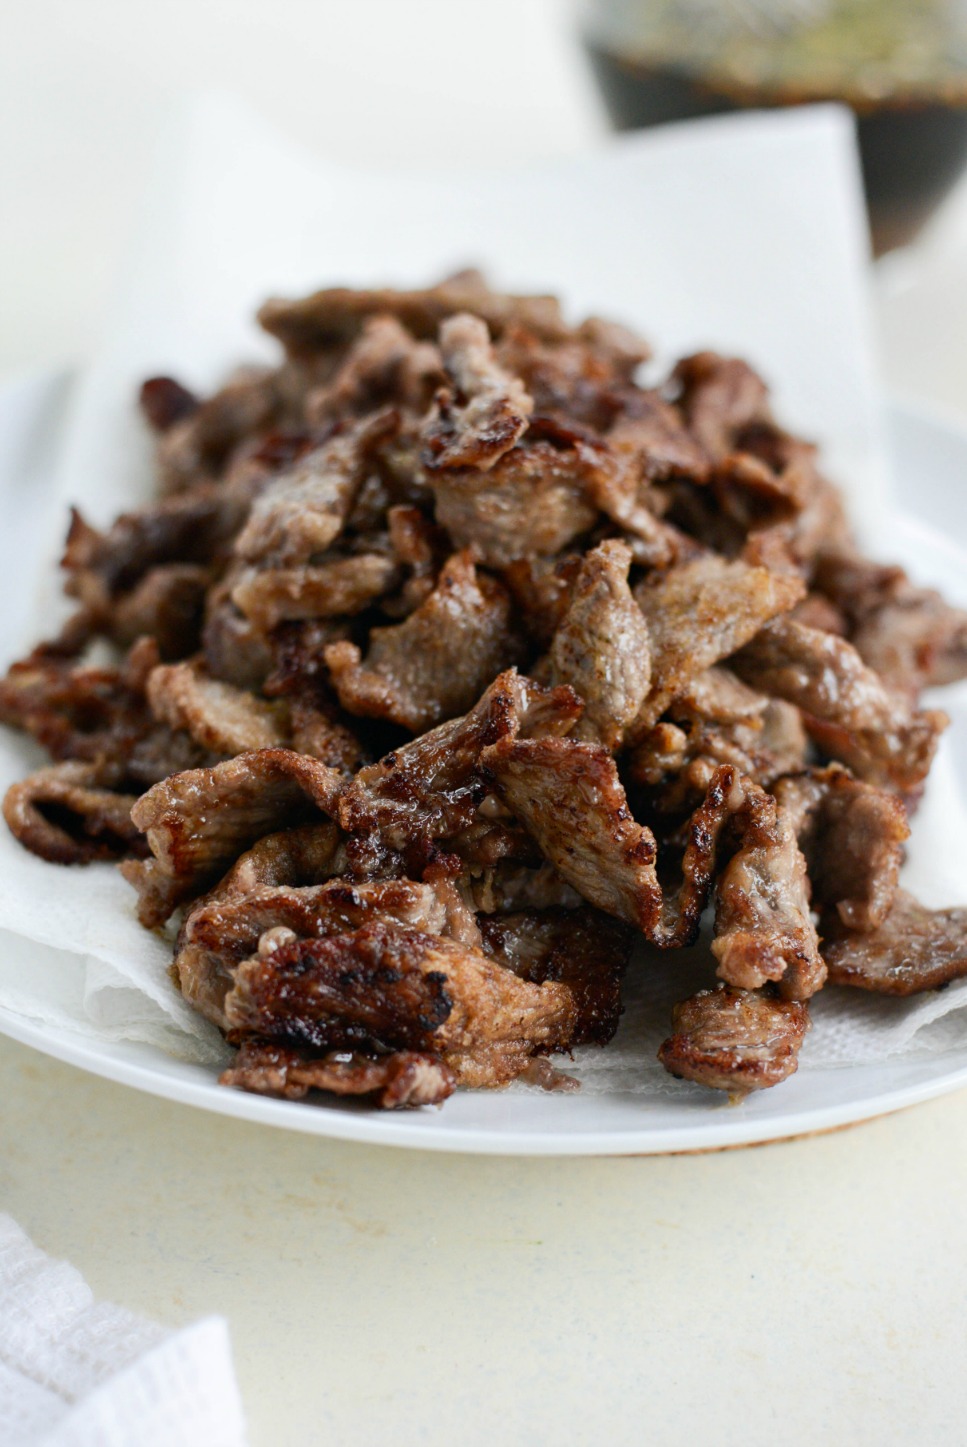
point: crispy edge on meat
(735, 1040)
(405, 1078)
(852, 835)
(763, 926)
(303, 510)
(912, 950)
(847, 710)
(199, 821)
(436, 663)
(66, 816)
(227, 925)
(402, 989)
(699, 613)
(486, 409)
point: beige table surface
(814, 1291)
(804, 1292)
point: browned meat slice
(192, 527)
(763, 928)
(653, 430)
(336, 316)
(97, 714)
(735, 1040)
(302, 511)
(569, 797)
(720, 396)
(167, 604)
(676, 761)
(534, 500)
(295, 857)
(848, 711)
(484, 411)
(582, 948)
(852, 835)
(699, 613)
(227, 925)
(67, 816)
(909, 635)
(542, 590)
(601, 646)
(338, 586)
(437, 662)
(385, 363)
(583, 377)
(164, 401)
(400, 989)
(221, 718)
(431, 788)
(198, 822)
(914, 949)
(195, 446)
(235, 650)
(406, 1078)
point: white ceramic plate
(931, 462)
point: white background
(806, 1292)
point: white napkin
(746, 234)
(79, 1373)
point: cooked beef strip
(569, 796)
(167, 605)
(910, 636)
(196, 445)
(699, 613)
(384, 363)
(601, 646)
(847, 709)
(582, 948)
(97, 714)
(717, 720)
(221, 718)
(534, 500)
(196, 526)
(343, 587)
(235, 650)
(406, 1078)
(335, 316)
(719, 396)
(431, 787)
(436, 663)
(225, 928)
(735, 1040)
(199, 821)
(486, 411)
(852, 835)
(401, 989)
(302, 511)
(912, 950)
(763, 928)
(65, 815)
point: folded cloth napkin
(75, 1372)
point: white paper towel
(745, 234)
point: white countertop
(803, 1292)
